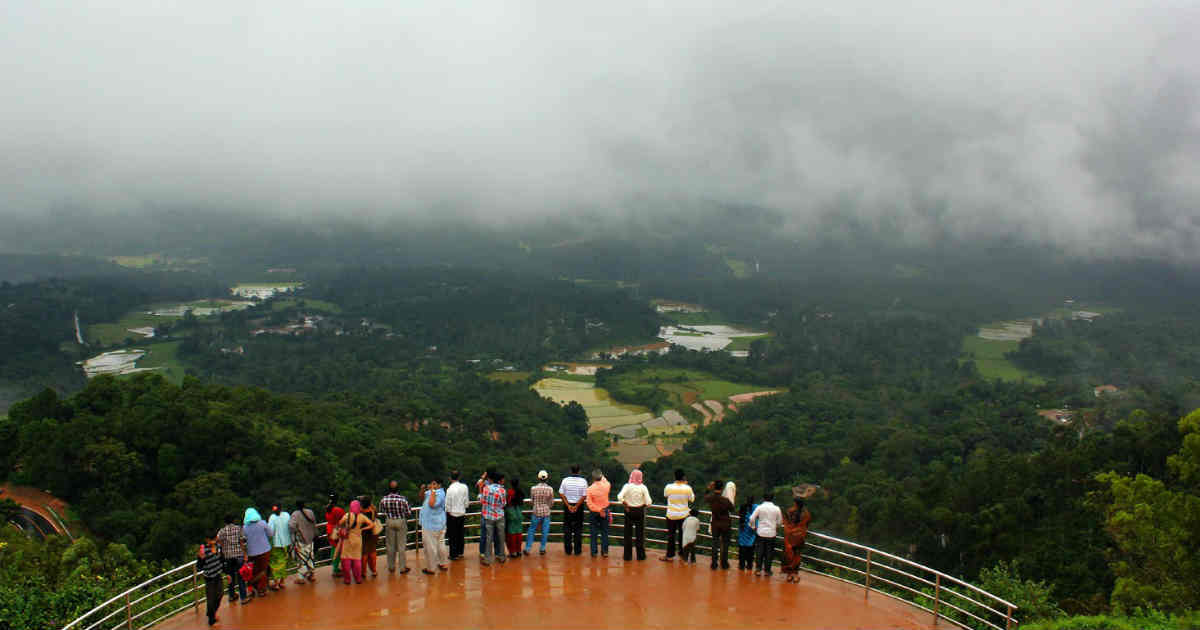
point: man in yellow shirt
(679, 505)
(597, 502)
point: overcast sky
(1072, 123)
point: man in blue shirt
(433, 525)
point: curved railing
(940, 594)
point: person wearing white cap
(542, 497)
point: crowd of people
(256, 556)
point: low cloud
(1067, 123)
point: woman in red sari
(795, 531)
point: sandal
(428, 572)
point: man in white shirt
(456, 514)
(635, 496)
(573, 491)
(679, 497)
(766, 519)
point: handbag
(247, 571)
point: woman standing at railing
(795, 531)
(258, 548)
(514, 518)
(370, 537)
(720, 503)
(350, 541)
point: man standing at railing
(233, 550)
(492, 503)
(573, 489)
(597, 503)
(542, 497)
(635, 496)
(679, 506)
(765, 519)
(720, 506)
(456, 514)
(394, 506)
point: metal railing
(942, 595)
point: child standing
(746, 536)
(210, 562)
(691, 527)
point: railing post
(868, 580)
(195, 585)
(1008, 621)
(128, 613)
(937, 596)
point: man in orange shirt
(597, 502)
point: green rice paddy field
(990, 360)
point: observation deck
(843, 585)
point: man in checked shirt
(395, 507)
(542, 496)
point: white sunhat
(543, 475)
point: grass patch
(743, 343)
(564, 376)
(165, 356)
(509, 377)
(319, 306)
(113, 334)
(740, 268)
(684, 386)
(990, 360)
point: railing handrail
(416, 509)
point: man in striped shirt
(542, 497)
(394, 506)
(233, 551)
(573, 490)
(209, 562)
(492, 502)
(679, 500)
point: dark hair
(365, 500)
(229, 518)
(719, 484)
(454, 475)
(499, 478)
(575, 469)
(679, 474)
(518, 493)
(745, 511)
(695, 512)
(799, 510)
(300, 505)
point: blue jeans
(534, 523)
(598, 526)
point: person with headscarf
(635, 496)
(333, 516)
(719, 526)
(258, 535)
(349, 533)
(746, 535)
(795, 532)
(514, 518)
(303, 528)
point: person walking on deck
(457, 499)
(679, 497)
(765, 519)
(233, 552)
(542, 498)
(281, 546)
(720, 504)
(258, 548)
(395, 508)
(303, 528)
(597, 504)
(433, 525)
(573, 490)
(492, 503)
(635, 496)
(208, 562)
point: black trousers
(764, 548)
(674, 535)
(745, 557)
(213, 589)
(635, 532)
(573, 531)
(454, 531)
(720, 542)
(689, 553)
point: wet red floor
(558, 591)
